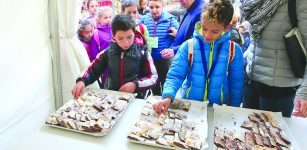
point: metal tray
(233, 117)
(197, 113)
(97, 134)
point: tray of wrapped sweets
(183, 127)
(95, 112)
(249, 129)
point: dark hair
(218, 11)
(122, 22)
(88, 3)
(83, 24)
(127, 3)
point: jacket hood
(197, 34)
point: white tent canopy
(40, 58)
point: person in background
(215, 74)
(186, 29)
(130, 7)
(92, 7)
(143, 7)
(244, 29)
(162, 28)
(235, 35)
(131, 69)
(103, 34)
(85, 34)
(271, 83)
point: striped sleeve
(95, 70)
(150, 76)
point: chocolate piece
(247, 125)
(258, 139)
(230, 144)
(284, 138)
(136, 138)
(279, 141)
(249, 138)
(219, 141)
(252, 117)
(178, 143)
(266, 141)
(119, 105)
(177, 125)
(172, 114)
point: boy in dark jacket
(131, 69)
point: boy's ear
(227, 27)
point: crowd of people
(210, 53)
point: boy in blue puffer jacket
(216, 74)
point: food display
(247, 129)
(94, 112)
(180, 128)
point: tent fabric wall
(40, 58)
(26, 70)
(73, 58)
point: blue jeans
(254, 100)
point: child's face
(106, 17)
(87, 32)
(143, 4)
(93, 7)
(124, 38)
(131, 11)
(155, 8)
(211, 31)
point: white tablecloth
(49, 138)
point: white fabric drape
(72, 56)
(26, 93)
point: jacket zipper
(222, 95)
(122, 69)
(188, 91)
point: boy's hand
(78, 89)
(128, 87)
(162, 106)
(173, 31)
(300, 107)
(167, 53)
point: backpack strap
(141, 26)
(96, 37)
(190, 52)
(232, 51)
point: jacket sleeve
(177, 72)
(301, 7)
(236, 77)
(95, 70)
(149, 74)
(175, 24)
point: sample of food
(94, 112)
(262, 133)
(173, 130)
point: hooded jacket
(105, 36)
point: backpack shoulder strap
(141, 26)
(232, 51)
(190, 52)
(96, 37)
